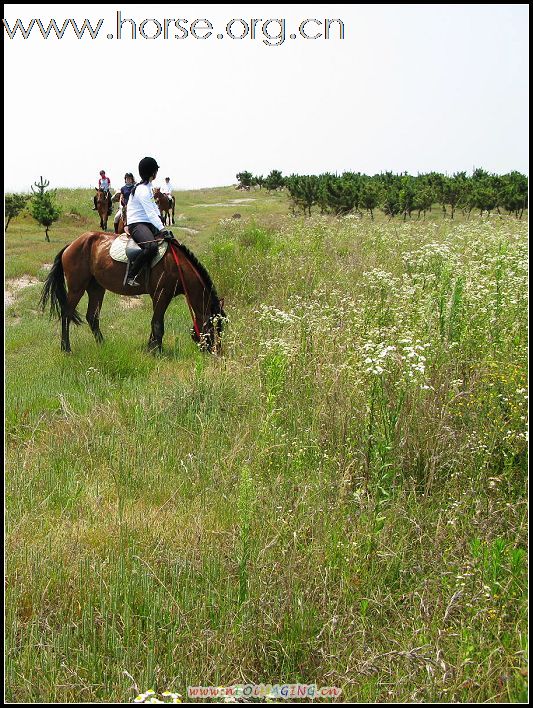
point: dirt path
(231, 202)
(187, 229)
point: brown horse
(103, 207)
(166, 206)
(121, 221)
(86, 266)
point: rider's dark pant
(143, 232)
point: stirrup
(132, 282)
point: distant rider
(125, 192)
(167, 188)
(104, 183)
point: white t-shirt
(142, 207)
(167, 188)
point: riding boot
(144, 258)
(135, 267)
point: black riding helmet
(147, 167)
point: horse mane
(215, 302)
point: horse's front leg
(161, 300)
(155, 343)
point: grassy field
(339, 500)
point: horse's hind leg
(96, 296)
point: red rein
(174, 249)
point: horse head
(210, 337)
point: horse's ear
(96, 189)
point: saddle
(124, 249)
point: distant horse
(166, 206)
(102, 206)
(86, 266)
(120, 222)
(120, 216)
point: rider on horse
(144, 222)
(167, 188)
(125, 192)
(104, 183)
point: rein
(174, 250)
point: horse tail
(54, 290)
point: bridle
(175, 251)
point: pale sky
(410, 88)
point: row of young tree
(398, 194)
(41, 205)
(272, 182)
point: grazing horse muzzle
(210, 338)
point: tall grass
(339, 500)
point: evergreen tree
(391, 201)
(304, 191)
(274, 180)
(245, 179)
(369, 197)
(14, 204)
(407, 196)
(42, 207)
(455, 191)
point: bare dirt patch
(131, 302)
(188, 229)
(13, 285)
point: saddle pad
(117, 250)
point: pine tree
(245, 179)
(14, 204)
(42, 207)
